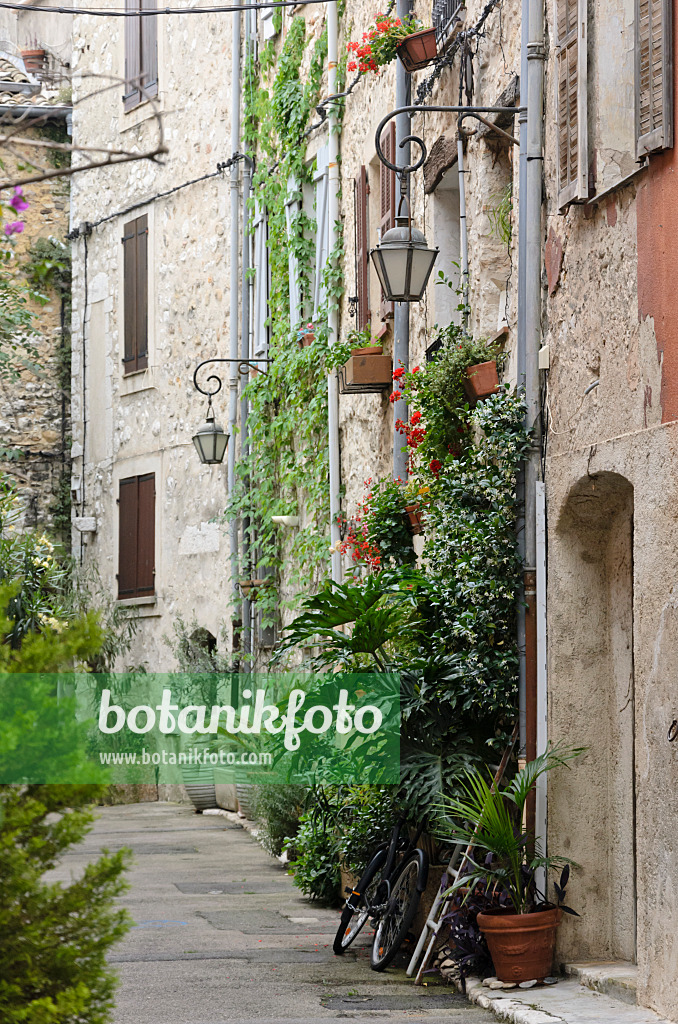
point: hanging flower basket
(414, 518)
(418, 50)
(481, 380)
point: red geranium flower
(435, 465)
(396, 396)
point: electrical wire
(97, 12)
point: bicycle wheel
(395, 923)
(357, 909)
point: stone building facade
(608, 380)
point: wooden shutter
(132, 95)
(135, 273)
(146, 535)
(571, 101)
(387, 199)
(261, 284)
(362, 254)
(136, 536)
(654, 76)
(292, 211)
(149, 51)
(127, 537)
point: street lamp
(211, 440)
(403, 261)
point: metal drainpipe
(401, 319)
(234, 296)
(533, 256)
(245, 354)
(463, 235)
(333, 314)
(520, 368)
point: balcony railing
(447, 17)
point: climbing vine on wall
(288, 470)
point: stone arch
(591, 703)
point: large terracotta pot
(481, 380)
(418, 50)
(35, 61)
(414, 517)
(521, 945)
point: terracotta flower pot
(368, 367)
(521, 945)
(368, 350)
(414, 517)
(481, 380)
(34, 60)
(418, 50)
(307, 339)
(249, 588)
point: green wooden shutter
(654, 76)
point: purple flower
(14, 228)
(18, 200)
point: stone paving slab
(568, 1002)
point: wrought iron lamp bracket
(243, 366)
(405, 170)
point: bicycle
(388, 893)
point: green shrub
(278, 809)
(54, 937)
(316, 859)
(366, 821)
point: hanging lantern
(403, 262)
(211, 441)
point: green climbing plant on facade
(288, 469)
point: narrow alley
(230, 938)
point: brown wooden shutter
(135, 274)
(387, 199)
(149, 51)
(136, 536)
(571, 100)
(146, 536)
(132, 94)
(654, 76)
(127, 537)
(362, 247)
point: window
(571, 100)
(654, 78)
(135, 273)
(136, 535)
(361, 192)
(141, 54)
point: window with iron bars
(446, 15)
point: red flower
(416, 369)
(396, 396)
(414, 418)
(352, 66)
(435, 465)
(397, 374)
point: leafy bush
(366, 819)
(278, 809)
(378, 535)
(316, 859)
(54, 938)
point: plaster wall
(143, 422)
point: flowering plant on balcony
(377, 536)
(380, 42)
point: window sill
(138, 380)
(135, 602)
(141, 113)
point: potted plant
(366, 365)
(35, 61)
(388, 38)
(305, 335)
(481, 380)
(505, 859)
(415, 509)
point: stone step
(615, 978)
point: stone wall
(34, 411)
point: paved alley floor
(221, 934)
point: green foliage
(490, 819)
(365, 819)
(500, 214)
(55, 131)
(316, 859)
(55, 937)
(48, 265)
(471, 557)
(18, 349)
(379, 535)
(287, 423)
(278, 810)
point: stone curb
(507, 1008)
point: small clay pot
(481, 380)
(521, 945)
(34, 60)
(368, 350)
(307, 339)
(418, 50)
